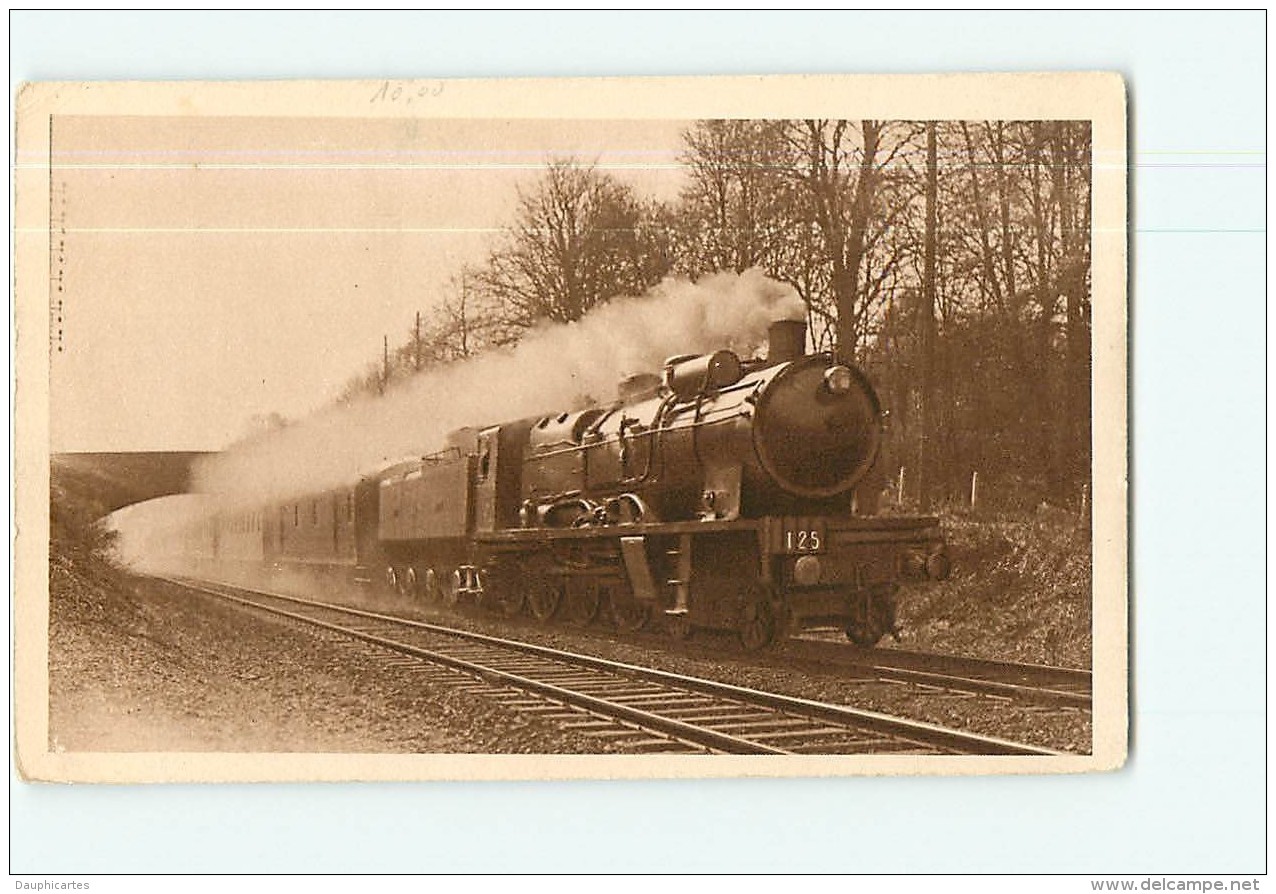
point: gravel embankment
(162, 669)
(136, 666)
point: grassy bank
(85, 583)
(1020, 591)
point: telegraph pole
(385, 362)
(416, 343)
(926, 319)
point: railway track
(635, 709)
(1056, 687)
(1037, 688)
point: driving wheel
(627, 613)
(544, 596)
(584, 598)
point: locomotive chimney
(786, 341)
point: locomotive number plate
(802, 535)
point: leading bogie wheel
(869, 620)
(679, 627)
(757, 626)
(862, 633)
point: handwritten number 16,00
(406, 93)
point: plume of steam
(148, 533)
(553, 368)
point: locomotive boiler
(717, 439)
(720, 494)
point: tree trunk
(1074, 231)
(846, 274)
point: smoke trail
(553, 368)
(149, 534)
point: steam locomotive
(726, 494)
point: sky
(220, 268)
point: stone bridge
(116, 480)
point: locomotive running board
(634, 552)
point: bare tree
(841, 169)
(576, 242)
(468, 321)
(952, 258)
(736, 205)
(838, 180)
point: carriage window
(296, 509)
(314, 512)
(485, 459)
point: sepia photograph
(577, 428)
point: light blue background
(1191, 799)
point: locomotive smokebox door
(814, 441)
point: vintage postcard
(687, 427)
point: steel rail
(1056, 686)
(1032, 676)
(854, 719)
(980, 685)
